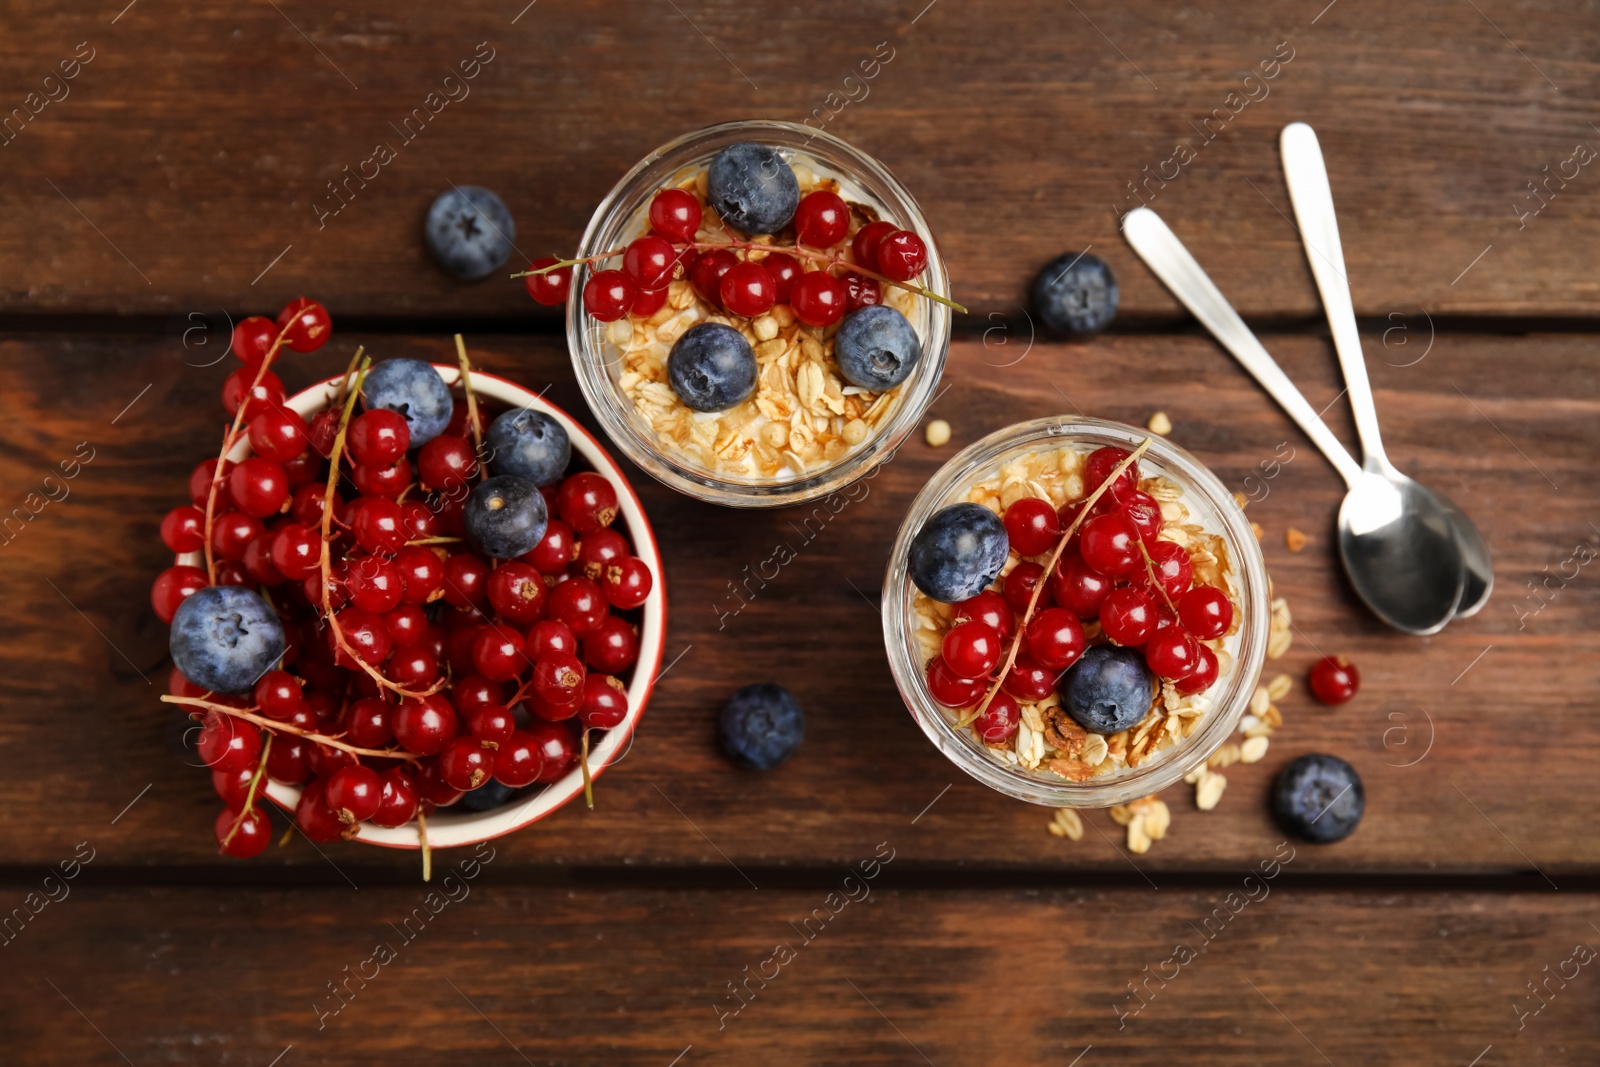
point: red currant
(1033, 526)
(558, 746)
(227, 744)
(549, 637)
(1206, 612)
(949, 688)
(649, 262)
(252, 339)
(1100, 464)
(551, 287)
(432, 790)
(232, 532)
(558, 548)
(387, 482)
(418, 520)
(497, 653)
(377, 525)
(675, 214)
(519, 761)
(354, 793)
(491, 723)
(278, 695)
(818, 299)
(517, 593)
(1030, 680)
(1334, 679)
(626, 583)
(184, 529)
(558, 678)
(231, 572)
(407, 625)
(901, 255)
(1055, 638)
(375, 584)
(303, 469)
(1128, 616)
(422, 574)
(314, 817)
(424, 725)
(1170, 562)
(587, 502)
(378, 437)
(200, 482)
(999, 721)
(259, 487)
(1110, 544)
(1173, 653)
(785, 270)
(323, 430)
(550, 712)
(465, 764)
(366, 636)
(475, 691)
(264, 396)
(859, 291)
(1078, 586)
(747, 289)
(648, 302)
(608, 294)
(822, 219)
(242, 835)
(233, 786)
(308, 322)
(1019, 584)
(368, 724)
(598, 549)
(1143, 510)
(989, 608)
(613, 647)
(707, 272)
(466, 581)
(278, 434)
(864, 246)
(1203, 677)
(398, 804)
(258, 560)
(287, 761)
(605, 702)
(578, 603)
(972, 649)
(296, 551)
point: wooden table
(175, 179)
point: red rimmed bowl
(449, 827)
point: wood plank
(1477, 745)
(507, 974)
(174, 180)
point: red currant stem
(1155, 583)
(349, 376)
(288, 834)
(227, 446)
(558, 264)
(250, 797)
(1038, 589)
(472, 405)
(583, 762)
(434, 541)
(427, 853)
(275, 725)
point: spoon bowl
(1397, 541)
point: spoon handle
(1307, 178)
(1161, 250)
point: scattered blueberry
(1319, 797)
(488, 796)
(762, 725)
(413, 389)
(958, 552)
(469, 231)
(876, 347)
(225, 637)
(529, 444)
(1075, 294)
(712, 367)
(1108, 690)
(505, 516)
(752, 188)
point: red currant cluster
(879, 253)
(1114, 568)
(407, 653)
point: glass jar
(1210, 505)
(624, 215)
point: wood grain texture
(1477, 746)
(504, 975)
(182, 170)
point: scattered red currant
(1334, 679)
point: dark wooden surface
(159, 195)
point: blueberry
(958, 552)
(762, 725)
(505, 516)
(1075, 294)
(225, 637)
(488, 796)
(529, 444)
(712, 367)
(1319, 798)
(876, 347)
(413, 389)
(469, 231)
(752, 188)
(1108, 690)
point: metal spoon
(1307, 178)
(1395, 542)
